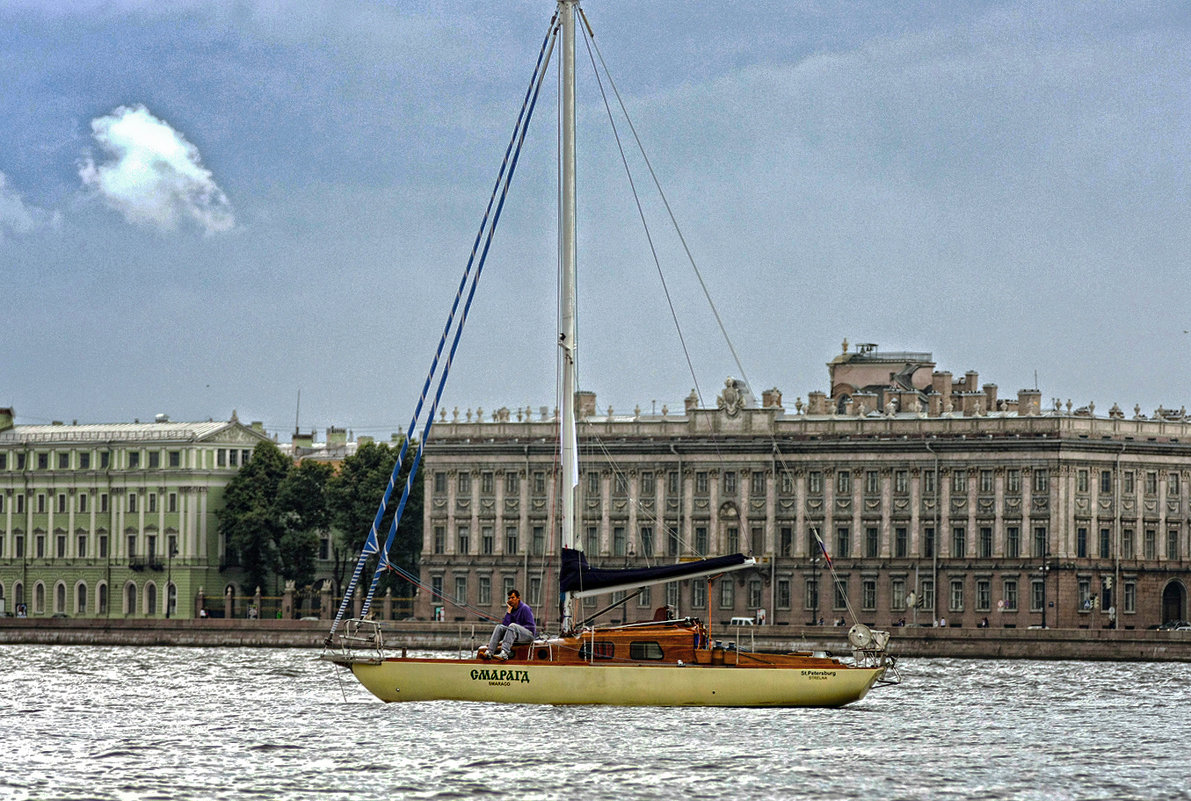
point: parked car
(1175, 625)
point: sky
(266, 207)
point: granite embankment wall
(1106, 644)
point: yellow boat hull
(617, 685)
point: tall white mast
(566, 290)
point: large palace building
(935, 499)
(116, 520)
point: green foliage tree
(354, 494)
(248, 520)
(302, 509)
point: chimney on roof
(6, 416)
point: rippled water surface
(207, 723)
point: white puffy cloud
(152, 175)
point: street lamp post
(169, 579)
(1044, 569)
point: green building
(117, 519)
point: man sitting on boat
(517, 627)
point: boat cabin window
(645, 650)
(603, 650)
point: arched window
(60, 598)
(171, 600)
(101, 599)
(80, 599)
(130, 599)
(151, 599)
(18, 593)
(39, 598)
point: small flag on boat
(823, 548)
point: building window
(871, 541)
(927, 595)
(812, 593)
(619, 541)
(487, 483)
(1172, 485)
(464, 485)
(698, 594)
(41, 503)
(782, 598)
(1012, 542)
(132, 502)
(733, 537)
(673, 489)
(757, 540)
(872, 482)
(986, 542)
(814, 482)
(701, 540)
(1013, 481)
(959, 542)
(901, 542)
(1127, 546)
(929, 483)
(842, 542)
(1150, 544)
(154, 459)
(61, 503)
(757, 484)
(539, 540)
(510, 539)
(843, 483)
(787, 483)
(173, 502)
(1009, 594)
(959, 481)
(957, 595)
(1081, 481)
(152, 501)
(440, 539)
(1037, 594)
(103, 502)
(1172, 544)
(1106, 482)
(60, 546)
(1040, 546)
(646, 533)
(440, 483)
(103, 546)
(672, 542)
(1081, 542)
(673, 590)
(512, 484)
(21, 504)
(1105, 542)
(1151, 482)
(754, 594)
(64, 461)
(1130, 598)
(1041, 481)
(729, 482)
(43, 461)
(986, 482)
(701, 482)
(727, 594)
(134, 460)
(175, 458)
(983, 595)
(539, 482)
(868, 594)
(461, 589)
(591, 540)
(928, 541)
(484, 591)
(897, 594)
(487, 540)
(840, 599)
(786, 540)
(901, 481)
(463, 540)
(648, 486)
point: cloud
(153, 176)
(17, 216)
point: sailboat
(659, 662)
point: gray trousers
(507, 636)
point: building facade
(117, 520)
(935, 500)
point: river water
(230, 723)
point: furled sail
(579, 580)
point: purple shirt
(522, 616)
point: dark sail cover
(578, 578)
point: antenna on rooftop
(298, 411)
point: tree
(248, 520)
(301, 506)
(354, 494)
